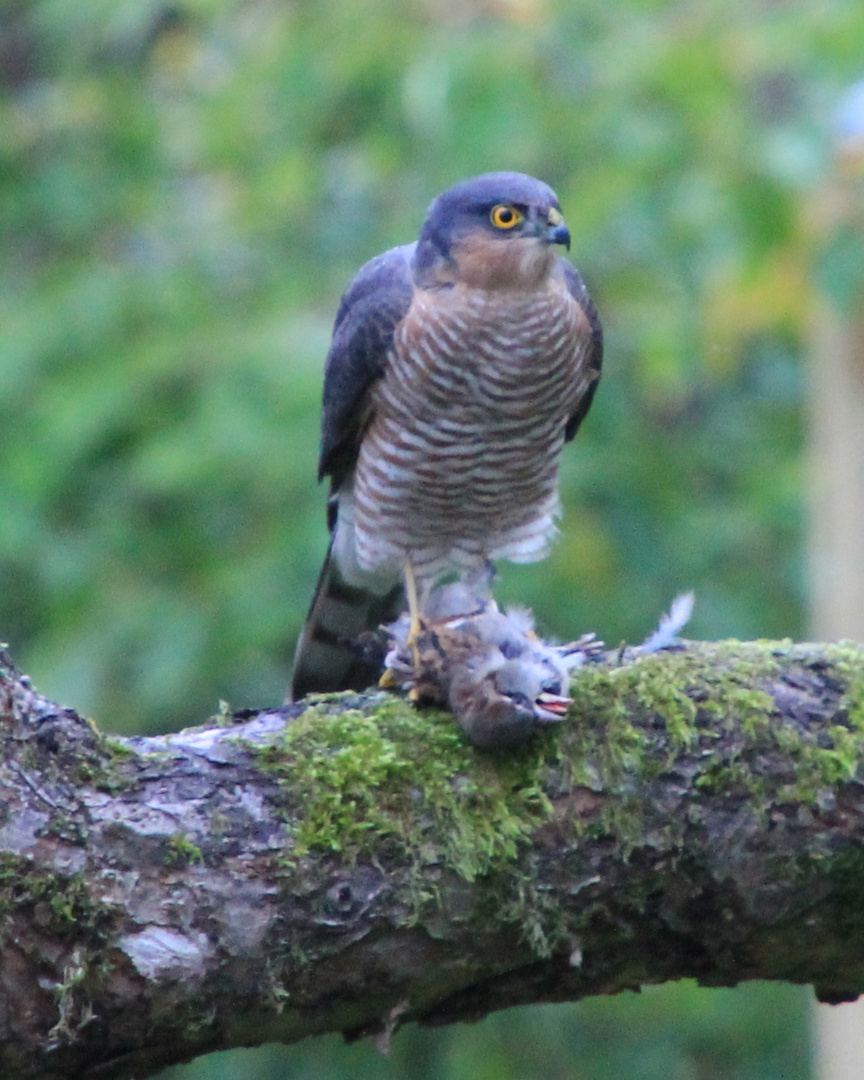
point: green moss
(116, 748)
(709, 685)
(408, 778)
(61, 906)
(684, 690)
(830, 754)
(182, 852)
(67, 828)
(848, 658)
(73, 1008)
(64, 901)
(404, 783)
(224, 717)
(717, 699)
(603, 745)
(110, 767)
(632, 720)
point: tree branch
(354, 865)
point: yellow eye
(503, 216)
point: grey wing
(372, 307)
(594, 356)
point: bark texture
(354, 865)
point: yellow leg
(414, 626)
(413, 606)
(388, 680)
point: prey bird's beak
(556, 228)
(551, 707)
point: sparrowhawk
(459, 367)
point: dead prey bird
(490, 668)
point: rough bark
(354, 865)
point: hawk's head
(493, 231)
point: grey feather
(371, 308)
(671, 625)
(579, 292)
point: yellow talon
(388, 680)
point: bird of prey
(459, 366)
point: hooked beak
(556, 228)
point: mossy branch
(354, 865)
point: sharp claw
(389, 680)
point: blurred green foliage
(187, 185)
(678, 1032)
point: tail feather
(341, 646)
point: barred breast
(460, 461)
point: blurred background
(186, 188)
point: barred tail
(341, 647)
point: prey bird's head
(494, 231)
